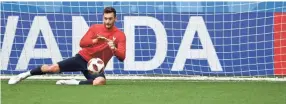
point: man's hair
(110, 10)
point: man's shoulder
(97, 26)
(120, 33)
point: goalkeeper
(101, 41)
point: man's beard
(109, 26)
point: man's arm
(120, 51)
(88, 39)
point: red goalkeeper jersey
(101, 49)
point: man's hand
(109, 42)
(94, 41)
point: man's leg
(99, 81)
(71, 64)
(37, 71)
(91, 80)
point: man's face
(108, 20)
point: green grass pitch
(144, 92)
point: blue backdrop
(242, 32)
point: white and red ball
(95, 66)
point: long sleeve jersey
(101, 49)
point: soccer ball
(95, 66)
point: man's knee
(51, 68)
(99, 81)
